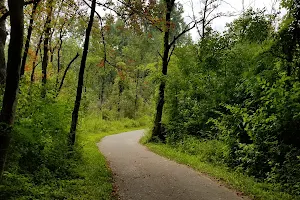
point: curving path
(142, 175)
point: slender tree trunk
(29, 33)
(13, 77)
(204, 19)
(104, 63)
(3, 36)
(157, 129)
(51, 50)
(65, 73)
(121, 89)
(58, 56)
(101, 96)
(72, 135)
(136, 93)
(46, 47)
(36, 58)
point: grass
(232, 179)
(97, 175)
(91, 178)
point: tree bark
(46, 47)
(72, 135)
(3, 36)
(157, 129)
(7, 115)
(28, 38)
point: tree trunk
(29, 33)
(59, 56)
(51, 50)
(136, 94)
(3, 36)
(13, 77)
(157, 129)
(72, 135)
(121, 89)
(46, 47)
(35, 58)
(204, 19)
(101, 95)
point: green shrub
(263, 132)
(39, 159)
(212, 151)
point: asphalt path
(140, 174)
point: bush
(263, 132)
(40, 159)
(212, 151)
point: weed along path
(142, 175)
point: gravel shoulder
(140, 174)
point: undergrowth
(40, 163)
(207, 157)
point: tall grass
(206, 157)
(94, 169)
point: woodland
(73, 71)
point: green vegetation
(41, 167)
(97, 182)
(204, 157)
(229, 100)
(232, 100)
(36, 138)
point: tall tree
(47, 36)
(157, 129)
(168, 48)
(72, 135)
(28, 38)
(13, 76)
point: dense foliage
(238, 94)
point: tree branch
(65, 73)
(187, 29)
(159, 54)
(5, 15)
(173, 48)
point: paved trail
(142, 175)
